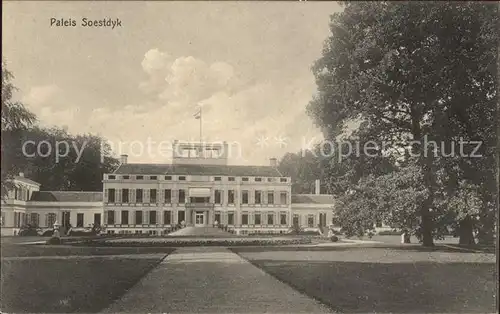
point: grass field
(386, 280)
(69, 279)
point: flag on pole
(197, 115)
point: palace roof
(66, 196)
(197, 169)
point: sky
(247, 64)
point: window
(217, 217)
(218, 197)
(270, 219)
(230, 197)
(257, 219)
(139, 177)
(378, 223)
(125, 196)
(168, 178)
(111, 177)
(181, 216)
(111, 195)
(153, 177)
(126, 177)
(138, 196)
(296, 220)
(182, 196)
(231, 179)
(138, 217)
(34, 219)
(244, 179)
(244, 218)
(322, 219)
(152, 217)
(79, 220)
(3, 219)
(230, 218)
(217, 178)
(167, 217)
(283, 198)
(152, 196)
(51, 220)
(182, 178)
(111, 217)
(244, 197)
(269, 179)
(283, 219)
(310, 221)
(270, 197)
(283, 180)
(168, 196)
(97, 219)
(258, 197)
(258, 179)
(124, 217)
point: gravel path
(212, 280)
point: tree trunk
(487, 221)
(425, 162)
(466, 232)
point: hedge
(202, 242)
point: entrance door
(199, 219)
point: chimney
(317, 188)
(123, 159)
(273, 162)
(21, 174)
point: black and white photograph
(250, 156)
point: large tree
(412, 71)
(15, 118)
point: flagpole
(200, 127)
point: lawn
(58, 285)
(385, 280)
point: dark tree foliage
(417, 71)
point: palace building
(198, 188)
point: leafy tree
(79, 167)
(411, 71)
(304, 168)
(15, 118)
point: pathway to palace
(212, 280)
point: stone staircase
(201, 232)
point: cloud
(39, 96)
(233, 111)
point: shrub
(47, 233)
(28, 231)
(334, 238)
(205, 242)
(390, 232)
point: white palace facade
(198, 188)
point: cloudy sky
(248, 64)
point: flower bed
(165, 242)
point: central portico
(199, 209)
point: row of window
(151, 196)
(151, 217)
(183, 178)
(21, 219)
